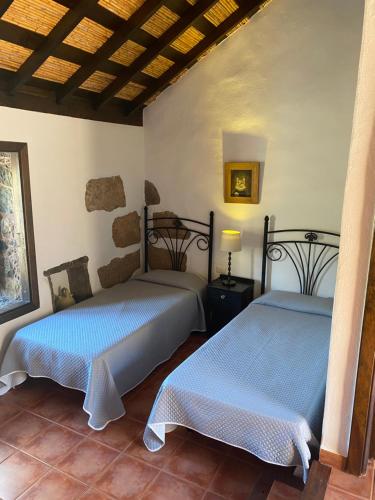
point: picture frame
(241, 182)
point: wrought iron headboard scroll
(178, 238)
(309, 255)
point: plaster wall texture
(64, 153)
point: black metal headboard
(177, 238)
(310, 256)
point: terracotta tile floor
(343, 486)
(47, 451)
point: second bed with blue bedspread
(258, 384)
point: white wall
(357, 232)
(280, 91)
(64, 153)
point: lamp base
(228, 282)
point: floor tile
(335, 494)
(209, 442)
(213, 496)
(17, 473)
(241, 454)
(356, 485)
(52, 444)
(194, 463)
(282, 491)
(5, 451)
(55, 486)
(22, 429)
(57, 405)
(235, 479)
(119, 434)
(127, 478)
(167, 487)
(93, 494)
(158, 458)
(87, 460)
(77, 420)
(30, 392)
(8, 411)
(139, 406)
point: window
(18, 276)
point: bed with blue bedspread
(108, 344)
(258, 384)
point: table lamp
(230, 242)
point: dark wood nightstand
(224, 303)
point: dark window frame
(33, 304)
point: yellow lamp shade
(230, 240)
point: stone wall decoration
(159, 258)
(180, 233)
(152, 196)
(126, 230)
(69, 283)
(120, 269)
(106, 193)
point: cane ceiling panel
(111, 57)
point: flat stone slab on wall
(159, 258)
(179, 234)
(119, 269)
(152, 196)
(106, 194)
(126, 230)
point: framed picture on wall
(241, 182)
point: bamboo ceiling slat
(130, 91)
(187, 40)
(88, 36)
(97, 82)
(122, 8)
(35, 15)
(160, 22)
(128, 53)
(12, 56)
(158, 66)
(56, 70)
(220, 11)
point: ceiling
(105, 59)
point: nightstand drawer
(224, 303)
(225, 299)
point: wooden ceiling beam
(165, 40)
(34, 98)
(41, 87)
(62, 29)
(113, 43)
(4, 6)
(246, 8)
